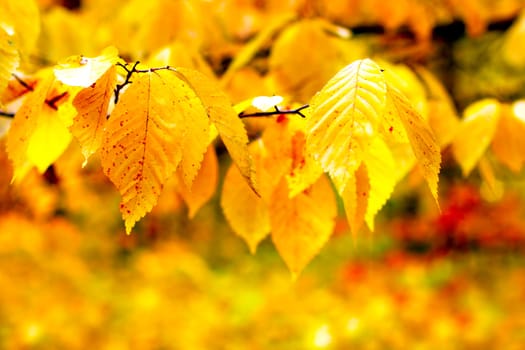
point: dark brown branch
(127, 80)
(6, 114)
(277, 111)
(22, 82)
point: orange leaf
(92, 106)
(509, 139)
(302, 225)
(246, 213)
(223, 116)
(204, 185)
(143, 140)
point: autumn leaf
(442, 115)
(9, 59)
(37, 136)
(143, 142)
(92, 104)
(355, 199)
(508, 144)
(380, 170)
(246, 212)
(20, 19)
(475, 133)
(422, 140)
(223, 116)
(302, 225)
(204, 184)
(85, 71)
(349, 106)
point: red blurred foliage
(466, 222)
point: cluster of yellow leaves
(165, 120)
(301, 221)
(357, 122)
(489, 122)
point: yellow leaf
(8, 59)
(48, 141)
(508, 144)
(513, 42)
(355, 199)
(92, 106)
(302, 225)
(381, 167)
(305, 170)
(203, 186)
(316, 57)
(37, 135)
(143, 140)
(250, 50)
(85, 71)
(246, 213)
(475, 133)
(179, 54)
(421, 138)
(348, 107)
(21, 19)
(442, 115)
(223, 116)
(196, 126)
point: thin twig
(127, 81)
(6, 114)
(277, 111)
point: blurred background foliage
(425, 279)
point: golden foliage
(9, 59)
(37, 136)
(144, 138)
(303, 224)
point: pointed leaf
(509, 139)
(9, 59)
(85, 71)
(349, 106)
(246, 212)
(204, 185)
(355, 199)
(92, 106)
(142, 144)
(21, 19)
(223, 116)
(25, 123)
(196, 126)
(302, 225)
(421, 138)
(380, 169)
(475, 133)
(442, 115)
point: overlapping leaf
(9, 59)
(37, 136)
(422, 140)
(357, 120)
(144, 138)
(85, 71)
(21, 20)
(92, 104)
(302, 225)
(349, 106)
(223, 116)
(475, 133)
(204, 184)
(508, 144)
(246, 212)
